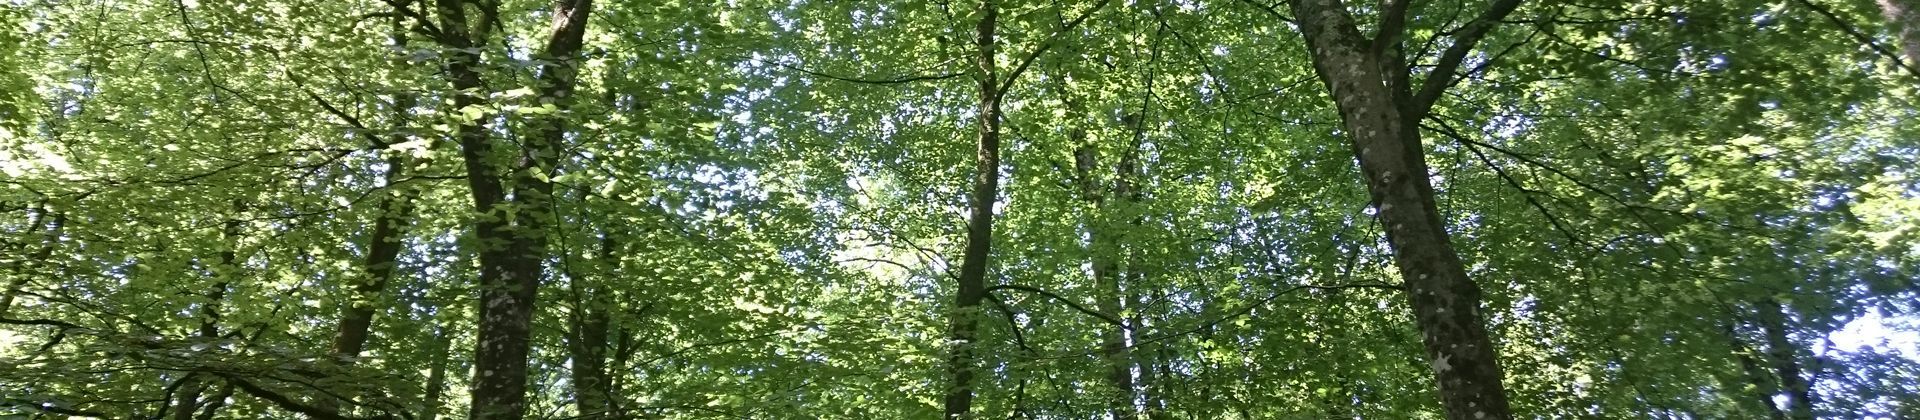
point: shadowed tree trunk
(984, 193)
(512, 231)
(187, 399)
(1105, 251)
(1370, 85)
(1764, 387)
(589, 337)
(1904, 17)
(383, 253)
(384, 243)
(1783, 354)
(436, 373)
(986, 189)
(49, 225)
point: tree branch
(1027, 62)
(1110, 319)
(289, 404)
(1862, 37)
(894, 81)
(1463, 42)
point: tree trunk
(589, 337)
(1381, 124)
(513, 233)
(436, 373)
(383, 246)
(986, 190)
(50, 236)
(1105, 251)
(187, 400)
(1757, 377)
(1904, 17)
(1784, 355)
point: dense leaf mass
(1063, 209)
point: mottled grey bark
(1380, 113)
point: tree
(907, 209)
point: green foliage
(766, 200)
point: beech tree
(1154, 209)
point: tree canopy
(1064, 209)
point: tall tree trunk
(436, 373)
(513, 232)
(986, 189)
(1904, 17)
(1380, 117)
(589, 336)
(1764, 387)
(383, 246)
(1105, 252)
(1784, 355)
(187, 400)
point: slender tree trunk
(589, 336)
(589, 354)
(50, 226)
(1763, 385)
(187, 400)
(1784, 355)
(436, 373)
(1105, 251)
(383, 246)
(513, 232)
(1382, 125)
(986, 190)
(383, 251)
(213, 405)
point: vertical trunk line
(383, 245)
(590, 338)
(986, 185)
(513, 231)
(189, 400)
(1103, 250)
(1446, 303)
(436, 373)
(50, 237)
(1783, 354)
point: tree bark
(436, 373)
(50, 237)
(589, 338)
(383, 245)
(1382, 126)
(1904, 17)
(1783, 354)
(187, 400)
(1763, 385)
(986, 190)
(512, 232)
(1104, 250)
